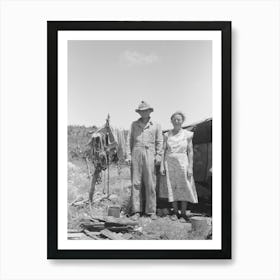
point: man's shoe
(135, 217)
(174, 217)
(153, 216)
(159, 212)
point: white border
(63, 37)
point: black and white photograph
(139, 139)
(133, 160)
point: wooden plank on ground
(127, 236)
(111, 235)
(91, 235)
(116, 221)
(71, 230)
(120, 221)
(92, 226)
(75, 236)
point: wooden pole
(108, 182)
(104, 182)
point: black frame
(52, 54)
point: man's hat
(144, 106)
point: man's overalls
(145, 146)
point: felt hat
(144, 106)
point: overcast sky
(114, 76)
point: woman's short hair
(179, 113)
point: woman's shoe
(184, 219)
(174, 217)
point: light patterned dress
(179, 186)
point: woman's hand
(162, 170)
(128, 161)
(190, 172)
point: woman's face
(177, 120)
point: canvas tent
(202, 143)
(202, 161)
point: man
(144, 152)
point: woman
(177, 167)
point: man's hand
(162, 170)
(157, 160)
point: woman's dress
(176, 185)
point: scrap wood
(111, 223)
(110, 220)
(120, 228)
(91, 221)
(91, 235)
(92, 226)
(76, 235)
(127, 236)
(101, 226)
(86, 220)
(111, 235)
(97, 218)
(164, 236)
(73, 230)
(120, 221)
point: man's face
(145, 113)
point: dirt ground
(119, 195)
